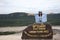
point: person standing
(40, 17)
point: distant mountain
(13, 15)
(18, 14)
(22, 19)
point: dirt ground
(17, 36)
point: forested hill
(54, 19)
(23, 19)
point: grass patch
(7, 33)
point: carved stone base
(37, 39)
(38, 32)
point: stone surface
(38, 31)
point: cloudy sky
(30, 6)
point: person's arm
(44, 18)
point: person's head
(40, 13)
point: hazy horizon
(29, 6)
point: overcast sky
(30, 6)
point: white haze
(30, 6)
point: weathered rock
(37, 32)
